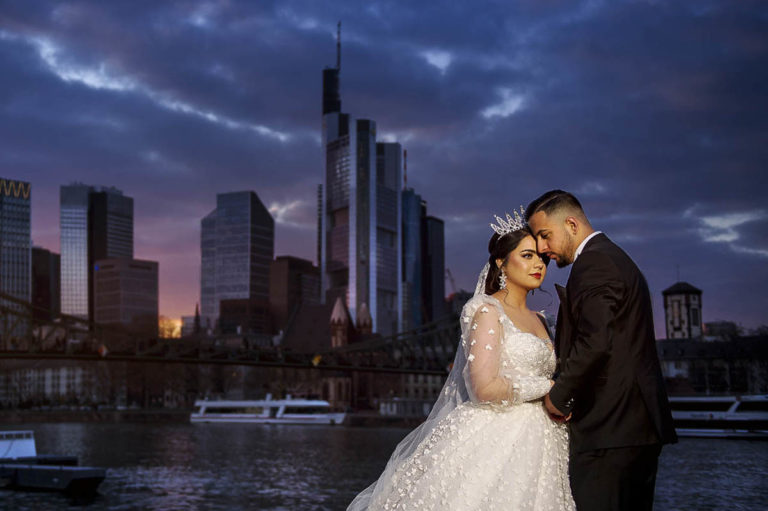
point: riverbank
(109, 416)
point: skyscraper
(413, 303)
(209, 308)
(73, 228)
(423, 262)
(15, 244)
(360, 231)
(110, 232)
(46, 283)
(237, 244)
(433, 261)
(95, 224)
(389, 237)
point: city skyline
(651, 114)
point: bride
(488, 444)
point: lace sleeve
(487, 382)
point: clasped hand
(555, 414)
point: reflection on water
(709, 474)
(248, 466)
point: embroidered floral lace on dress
(489, 444)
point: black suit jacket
(610, 377)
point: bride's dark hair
(499, 247)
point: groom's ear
(572, 224)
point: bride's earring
(502, 280)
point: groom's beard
(563, 260)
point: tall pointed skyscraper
(360, 226)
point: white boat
(267, 411)
(17, 444)
(721, 416)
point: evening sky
(655, 114)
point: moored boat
(721, 416)
(21, 468)
(266, 411)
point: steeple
(339, 315)
(339, 324)
(364, 320)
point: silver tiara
(510, 224)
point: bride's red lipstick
(537, 275)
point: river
(248, 466)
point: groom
(610, 378)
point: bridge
(26, 332)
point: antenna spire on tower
(338, 46)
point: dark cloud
(654, 113)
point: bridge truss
(26, 332)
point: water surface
(250, 466)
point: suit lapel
(565, 317)
(562, 331)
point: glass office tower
(209, 309)
(389, 237)
(423, 262)
(360, 231)
(73, 225)
(433, 275)
(95, 224)
(15, 247)
(413, 303)
(237, 245)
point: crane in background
(450, 278)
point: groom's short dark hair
(552, 201)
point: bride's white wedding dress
(489, 444)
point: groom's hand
(554, 413)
